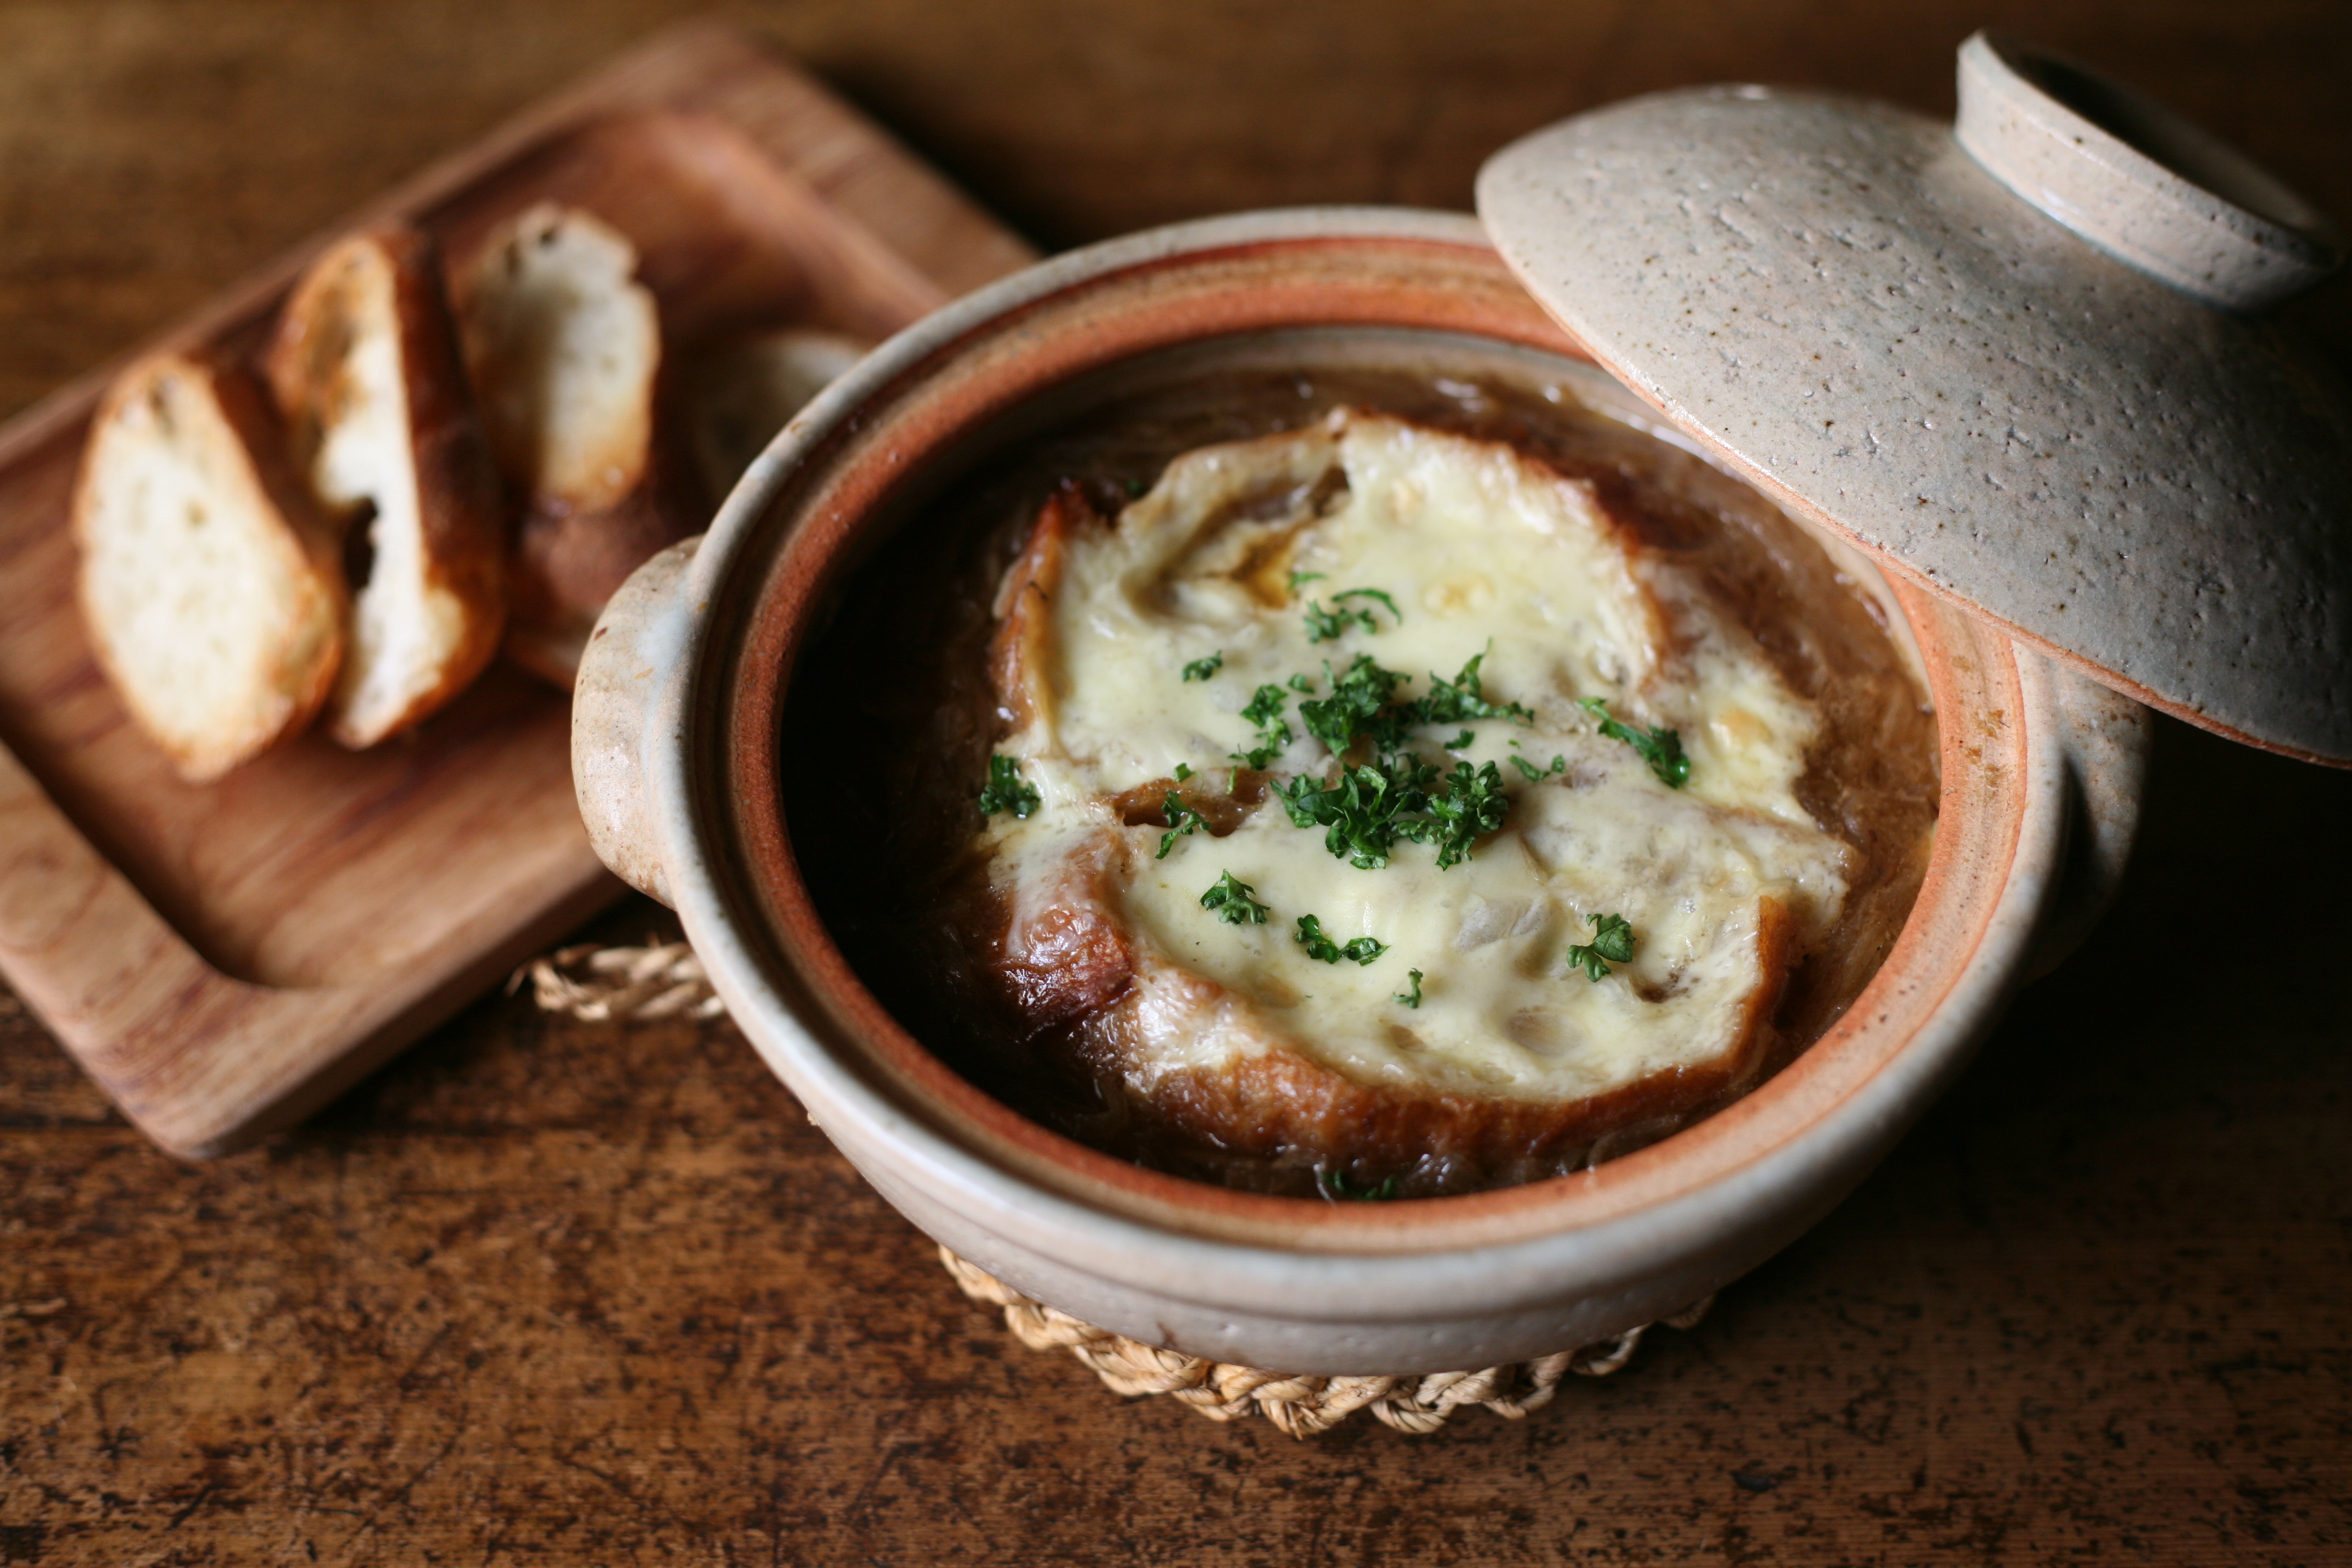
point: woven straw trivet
(664, 979)
(605, 984)
(1301, 1407)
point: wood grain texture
(319, 908)
(555, 1293)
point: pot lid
(2017, 358)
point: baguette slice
(209, 584)
(565, 349)
(366, 367)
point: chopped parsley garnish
(1183, 772)
(1325, 624)
(1613, 942)
(1360, 705)
(1264, 706)
(1004, 791)
(1463, 697)
(1274, 736)
(1533, 773)
(1412, 998)
(1310, 936)
(1298, 577)
(1371, 805)
(1661, 748)
(1181, 819)
(1357, 698)
(1235, 902)
(1370, 593)
(1473, 805)
(1336, 1183)
(1367, 811)
(1201, 668)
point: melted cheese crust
(1483, 550)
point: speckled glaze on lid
(1842, 303)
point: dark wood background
(550, 1293)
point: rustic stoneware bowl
(679, 738)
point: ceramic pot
(679, 739)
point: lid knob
(1894, 328)
(2136, 180)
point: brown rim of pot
(785, 578)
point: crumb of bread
(565, 347)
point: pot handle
(2104, 739)
(622, 672)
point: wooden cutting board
(222, 959)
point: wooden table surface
(555, 1293)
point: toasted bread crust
(1078, 979)
(459, 518)
(1016, 654)
(300, 672)
(1067, 962)
(634, 491)
(1280, 1101)
(462, 509)
(1097, 957)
